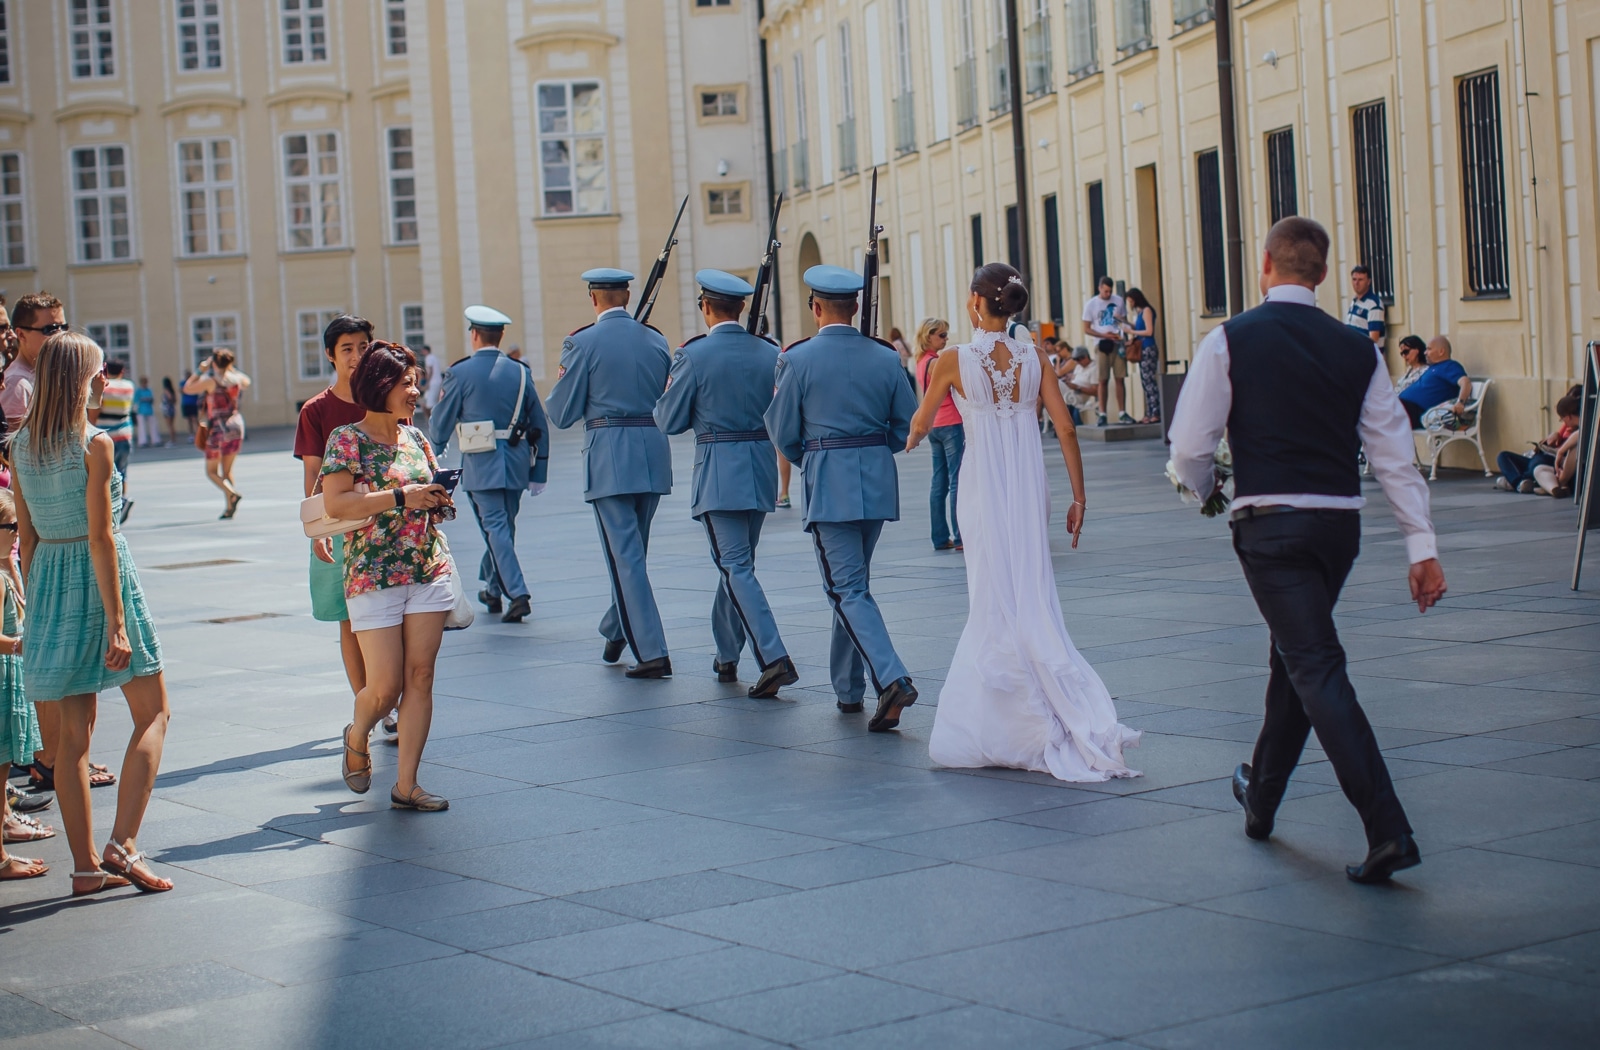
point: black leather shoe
(726, 672)
(774, 676)
(613, 651)
(900, 694)
(1255, 825)
(490, 601)
(1385, 859)
(850, 709)
(660, 667)
(520, 607)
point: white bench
(1437, 440)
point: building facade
(1451, 145)
(187, 174)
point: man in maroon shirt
(343, 341)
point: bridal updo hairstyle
(1001, 287)
(382, 368)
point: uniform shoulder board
(796, 343)
(575, 331)
(462, 361)
(692, 339)
(654, 329)
(885, 344)
(769, 339)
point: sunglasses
(9, 526)
(49, 329)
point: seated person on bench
(1443, 379)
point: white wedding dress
(1019, 694)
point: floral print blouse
(401, 546)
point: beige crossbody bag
(481, 436)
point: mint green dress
(63, 653)
(19, 725)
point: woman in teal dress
(19, 728)
(91, 630)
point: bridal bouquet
(1211, 505)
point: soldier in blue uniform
(611, 374)
(841, 411)
(490, 407)
(721, 384)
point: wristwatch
(400, 498)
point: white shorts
(387, 606)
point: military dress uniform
(841, 411)
(484, 387)
(721, 384)
(611, 374)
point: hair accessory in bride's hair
(1013, 279)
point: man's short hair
(29, 307)
(1299, 248)
(721, 306)
(610, 297)
(344, 324)
(1360, 268)
(1103, 282)
(115, 368)
(490, 334)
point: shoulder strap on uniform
(796, 343)
(692, 339)
(654, 329)
(885, 344)
(575, 331)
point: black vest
(1299, 378)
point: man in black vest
(1299, 394)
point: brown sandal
(357, 780)
(417, 799)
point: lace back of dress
(1004, 392)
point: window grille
(1213, 258)
(1133, 26)
(1282, 196)
(93, 42)
(1483, 193)
(305, 31)
(1083, 38)
(1370, 139)
(199, 34)
(572, 148)
(313, 190)
(209, 332)
(13, 209)
(100, 203)
(207, 188)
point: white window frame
(308, 328)
(800, 112)
(102, 247)
(7, 67)
(13, 211)
(223, 331)
(733, 193)
(847, 76)
(299, 24)
(395, 44)
(92, 31)
(319, 187)
(780, 126)
(219, 198)
(201, 26)
(116, 339)
(721, 94)
(402, 184)
(413, 335)
(902, 47)
(573, 138)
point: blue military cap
(486, 317)
(604, 277)
(724, 285)
(833, 282)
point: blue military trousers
(740, 612)
(500, 570)
(860, 645)
(624, 523)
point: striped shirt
(116, 410)
(1366, 315)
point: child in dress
(19, 726)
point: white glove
(536, 487)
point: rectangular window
(100, 203)
(1370, 138)
(977, 242)
(572, 148)
(1052, 259)
(402, 188)
(115, 338)
(93, 44)
(207, 189)
(719, 103)
(13, 229)
(394, 27)
(1098, 263)
(411, 328)
(1083, 45)
(848, 164)
(1187, 14)
(713, 3)
(314, 364)
(313, 194)
(725, 201)
(199, 34)
(5, 42)
(966, 66)
(802, 149)
(1281, 193)
(1133, 26)
(1213, 260)
(1483, 186)
(780, 132)
(208, 332)
(305, 31)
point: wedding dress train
(1019, 694)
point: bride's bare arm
(1067, 434)
(945, 374)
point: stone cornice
(568, 33)
(95, 109)
(201, 100)
(307, 94)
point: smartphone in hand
(447, 478)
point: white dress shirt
(623, 310)
(1202, 417)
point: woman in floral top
(396, 576)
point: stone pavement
(666, 864)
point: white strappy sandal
(105, 878)
(124, 868)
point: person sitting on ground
(1413, 353)
(1442, 378)
(1516, 471)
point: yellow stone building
(1449, 144)
(187, 174)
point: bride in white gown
(1019, 694)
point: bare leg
(72, 779)
(784, 467)
(423, 633)
(49, 733)
(147, 704)
(1101, 404)
(355, 669)
(383, 653)
(1122, 395)
(227, 473)
(216, 477)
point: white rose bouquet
(1215, 503)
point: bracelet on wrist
(400, 498)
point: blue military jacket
(721, 383)
(841, 384)
(484, 386)
(615, 368)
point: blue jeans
(1518, 469)
(948, 443)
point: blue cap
(486, 317)
(724, 285)
(833, 282)
(607, 277)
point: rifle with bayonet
(652, 284)
(869, 266)
(757, 323)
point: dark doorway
(1013, 237)
(1052, 260)
(977, 242)
(1098, 264)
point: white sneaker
(1503, 484)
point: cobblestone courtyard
(670, 864)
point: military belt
(725, 436)
(619, 421)
(864, 441)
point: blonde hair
(8, 507)
(57, 418)
(925, 334)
